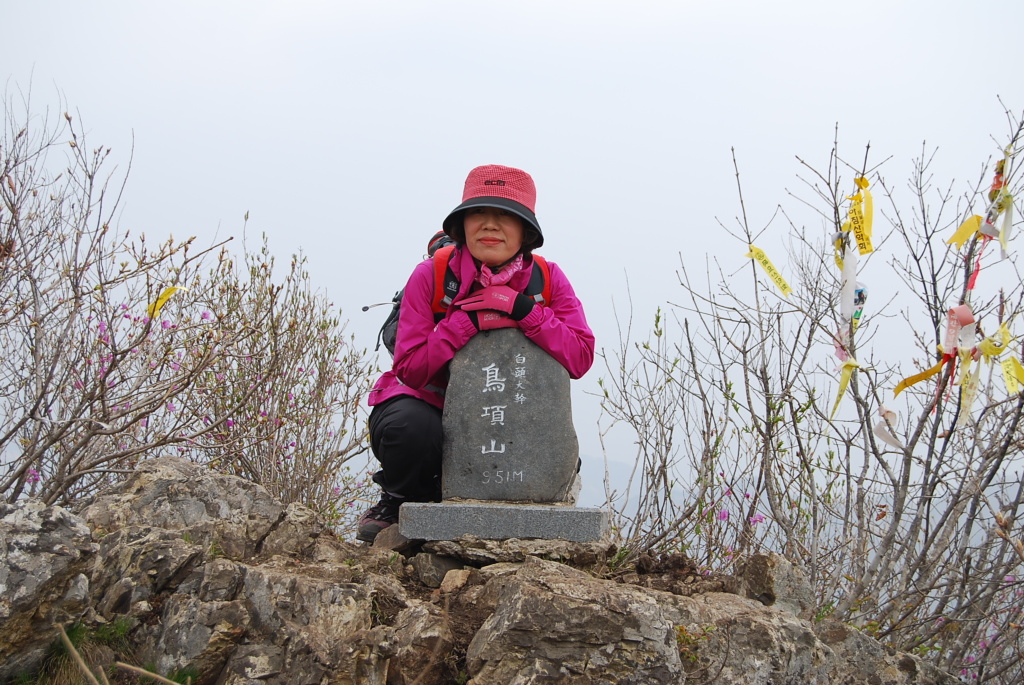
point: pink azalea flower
(723, 515)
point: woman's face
(493, 236)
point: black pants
(405, 435)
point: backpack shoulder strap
(446, 283)
(539, 287)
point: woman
(495, 231)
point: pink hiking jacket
(423, 349)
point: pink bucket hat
(499, 186)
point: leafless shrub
(904, 510)
(116, 349)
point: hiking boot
(378, 517)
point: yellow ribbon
(1013, 374)
(758, 255)
(965, 365)
(838, 244)
(155, 308)
(861, 208)
(966, 231)
(844, 379)
(918, 377)
(869, 206)
(994, 346)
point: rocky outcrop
(43, 553)
(218, 580)
(603, 632)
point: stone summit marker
(510, 449)
(508, 432)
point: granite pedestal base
(501, 521)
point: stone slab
(501, 521)
(508, 431)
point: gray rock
(550, 623)
(604, 632)
(501, 521)
(307, 608)
(226, 514)
(36, 543)
(136, 563)
(493, 553)
(423, 639)
(77, 595)
(391, 538)
(197, 634)
(432, 568)
(295, 532)
(772, 580)
(858, 658)
(254, 664)
(743, 641)
(455, 579)
(508, 422)
(43, 552)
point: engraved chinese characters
(508, 432)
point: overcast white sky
(346, 129)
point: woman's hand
(499, 298)
(488, 320)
